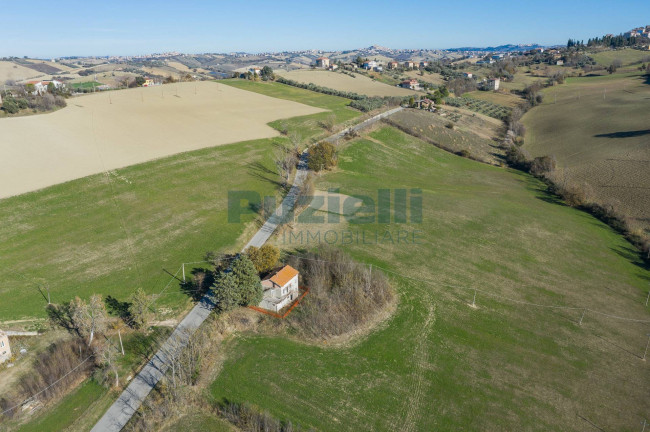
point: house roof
(283, 277)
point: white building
(493, 84)
(370, 64)
(5, 350)
(280, 290)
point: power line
(48, 387)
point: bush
(265, 258)
(10, 106)
(342, 294)
(322, 156)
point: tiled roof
(283, 277)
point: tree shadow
(118, 308)
(262, 172)
(60, 315)
(625, 134)
(199, 284)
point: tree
(139, 81)
(139, 309)
(106, 355)
(265, 258)
(250, 287)
(267, 73)
(89, 317)
(286, 160)
(238, 285)
(226, 293)
(322, 156)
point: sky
(47, 28)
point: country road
(132, 397)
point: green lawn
(111, 235)
(439, 364)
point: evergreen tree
(250, 287)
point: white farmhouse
(280, 290)
(5, 350)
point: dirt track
(110, 130)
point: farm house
(280, 289)
(5, 350)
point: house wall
(5, 350)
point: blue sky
(64, 28)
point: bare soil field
(598, 131)
(105, 131)
(339, 81)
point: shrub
(265, 258)
(322, 156)
(343, 294)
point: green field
(89, 85)
(111, 234)
(626, 56)
(597, 128)
(306, 126)
(439, 364)
(68, 410)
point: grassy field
(438, 363)
(100, 132)
(598, 131)
(111, 233)
(71, 407)
(471, 133)
(308, 127)
(85, 85)
(198, 421)
(626, 56)
(506, 99)
(359, 84)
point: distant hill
(500, 48)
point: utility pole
(647, 298)
(121, 345)
(645, 423)
(584, 311)
(646, 347)
(474, 299)
(47, 287)
(183, 272)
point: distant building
(424, 64)
(392, 65)
(378, 69)
(370, 64)
(467, 75)
(255, 70)
(323, 62)
(333, 67)
(492, 84)
(280, 290)
(148, 82)
(5, 350)
(409, 64)
(410, 84)
(559, 62)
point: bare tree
(106, 355)
(89, 317)
(286, 159)
(139, 309)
